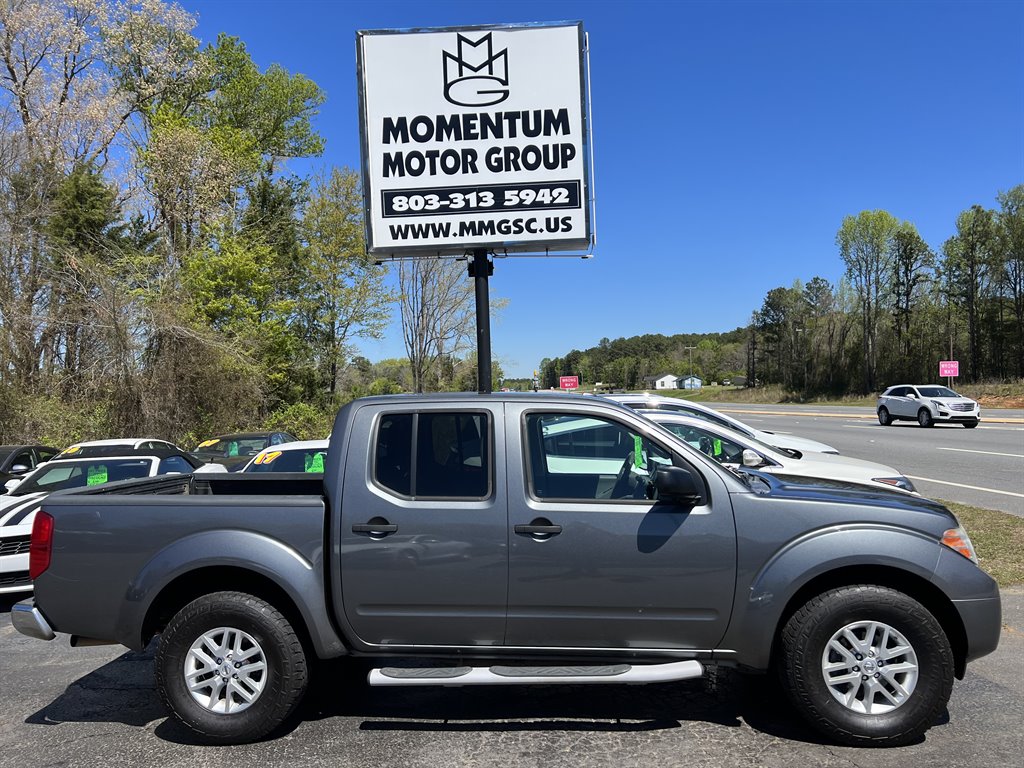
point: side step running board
(502, 675)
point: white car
(927, 404)
(698, 411)
(733, 448)
(18, 507)
(297, 456)
(88, 448)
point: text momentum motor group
(477, 126)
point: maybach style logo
(475, 76)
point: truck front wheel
(230, 667)
(867, 665)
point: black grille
(15, 545)
(15, 579)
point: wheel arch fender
(822, 560)
(228, 559)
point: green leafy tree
(969, 259)
(912, 262)
(1010, 235)
(343, 294)
(864, 244)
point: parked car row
(83, 465)
(30, 473)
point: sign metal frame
(502, 245)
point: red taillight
(42, 543)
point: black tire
(924, 418)
(804, 642)
(970, 424)
(286, 669)
(883, 416)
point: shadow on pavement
(124, 691)
(8, 600)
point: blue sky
(730, 140)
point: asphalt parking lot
(64, 706)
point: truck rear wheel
(230, 667)
(867, 665)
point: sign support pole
(480, 269)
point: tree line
(162, 270)
(900, 307)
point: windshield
(56, 476)
(234, 446)
(937, 392)
(717, 446)
(307, 460)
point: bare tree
(437, 316)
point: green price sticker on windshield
(638, 452)
(96, 475)
(314, 462)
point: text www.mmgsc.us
(478, 228)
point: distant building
(664, 381)
(739, 381)
(690, 382)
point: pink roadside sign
(949, 368)
(569, 382)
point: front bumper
(982, 621)
(958, 418)
(30, 621)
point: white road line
(987, 453)
(909, 429)
(970, 487)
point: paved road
(61, 706)
(982, 466)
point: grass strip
(998, 539)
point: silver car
(729, 447)
(643, 401)
(927, 404)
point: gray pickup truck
(509, 540)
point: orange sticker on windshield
(267, 458)
(72, 449)
(206, 443)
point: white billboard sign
(475, 137)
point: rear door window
(434, 454)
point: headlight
(937, 404)
(958, 540)
(896, 482)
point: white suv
(926, 404)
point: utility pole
(691, 365)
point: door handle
(376, 526)
(541, 526)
